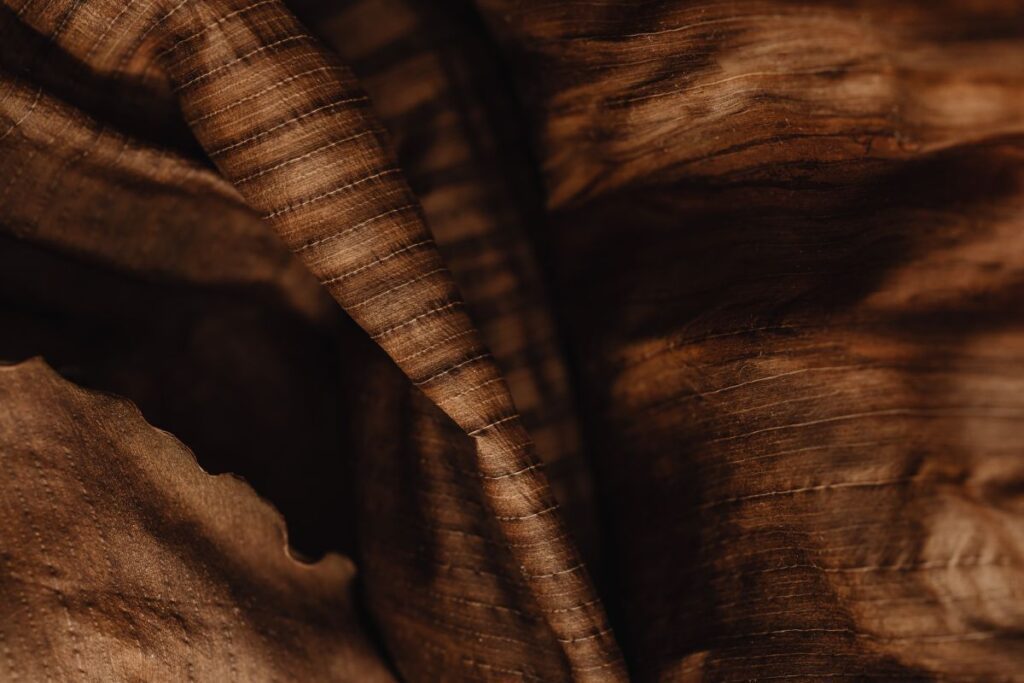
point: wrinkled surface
(788, 246)
(716, 303)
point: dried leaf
(123, 560)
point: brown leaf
(123, 560)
